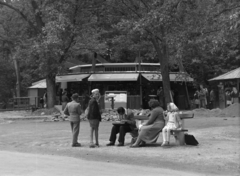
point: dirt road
(19, 164)
(217, 154)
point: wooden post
(238, 85)
(94, 62)
(238, 89)
(140, 79)
(188, 101)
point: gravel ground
(218, 152)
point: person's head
(172, 107)
(234, 89)
(121, 111)
(96, 94)
(75, 96)
(153, 103)
(201, 86)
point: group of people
(148, 132)
(231, 96)
(73, 110)
(203, 98)
(200, 97)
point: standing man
(202, 97)
(45, 99)
(73, 110)
(212, 99)
(129, 126)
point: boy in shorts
(94, 117)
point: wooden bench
(178, 133)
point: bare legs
(166, 136)
(92, 130)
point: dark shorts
(94, 123)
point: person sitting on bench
(173, 122)
(150, 130)
(129, 126)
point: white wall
(32, 94)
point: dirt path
(217, 154)
(19, 164)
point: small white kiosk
(115, 99)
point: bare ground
(217, 154)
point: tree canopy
(37, 37)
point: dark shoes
(76, 145)
(142, 144)
(92, 145)
(110, 144)
(120, 145)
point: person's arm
(79, 109)
(130, 118)
(178, 120)
(65, 111)
(152, 118)
(165, 115)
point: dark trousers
(122, 130)
(75, 131)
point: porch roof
(114, 77)
(71, 78)
(179, 77)
(233, 74)
(65, 78)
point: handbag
(190, 140)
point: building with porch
(139, 80)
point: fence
(21, 103)
(17, 103)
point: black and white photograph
(119, 87)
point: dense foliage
(37, 37)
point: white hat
(173, 106)
(95, 90)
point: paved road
(23, 164)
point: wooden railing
(133, 102)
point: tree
(53, 28)
(163, 24)
(212, 47)
(11, 37)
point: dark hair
(120, 110)
(153, 103)
(75, 96)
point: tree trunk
(162, 52)
(16, 66)
(165, 76)
(51, 91)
